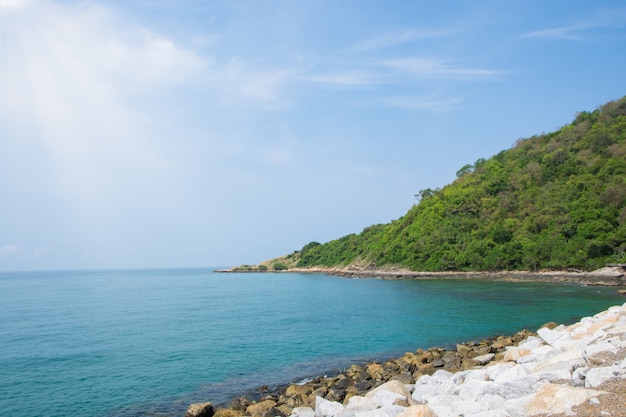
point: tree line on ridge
(553, 201)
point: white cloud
(584, 29)
(10, 250)
(395, 38)
(153, 60)
(420, 103)
(434, 68)
(240, 83)
(348, 78)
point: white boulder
(325, 408)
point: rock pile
(549, 372)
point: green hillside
(553, 201)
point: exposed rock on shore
(360, 379)
(560, 369)
(609, 276)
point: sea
(150, 342)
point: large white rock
(597, 376)
(578, 376)
(494, 370)
(531, 342)
(388, 411)
(303, 412)
(538, 354)
(325, 408)
(551, 337)
(419, 410)
(514, 353)
(550, 372)
(394, 391)
(575, 357)
(359, 403)
(442, 376)
(421, 391)
(611, 345)
(475, 390)
(385, 398)
(480, 374)
(549, 399)
(518, 387)
(429, 385)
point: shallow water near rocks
(149, 342)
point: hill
(553, 201)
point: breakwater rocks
(580, 367)
(359, 379)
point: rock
(227, 412)
(597, 376)
(419, 410)
(391, 411)
(375, 370)
(538, 354)
(240, 403)
(514, 353)
(303, 412)
(612, 345)
(518, 387)
(449, 357)
(608, 271)
(359, 403)
(549, 399)
(325, 408)
(474, 390)
(438, 363)
(356, 373)
(483, 359)
(387, 398)
(293, 390)
(285, 409)
(551, 325)
(552, 337)
(392, 386)
(404, 377)
(257, 409)
(200, 410)
(426, 369)
(469, 363)
(273, 412)
(363, 386)
(479, 351)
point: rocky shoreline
(607, 276)
(578, 369)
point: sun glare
(13, 4)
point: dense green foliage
(553, 201)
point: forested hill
(553, 201)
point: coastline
(607, 276)
(578, 369)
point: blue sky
(191, 133)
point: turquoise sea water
(149, 342)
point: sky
(189, 133)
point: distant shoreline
(608, 276)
